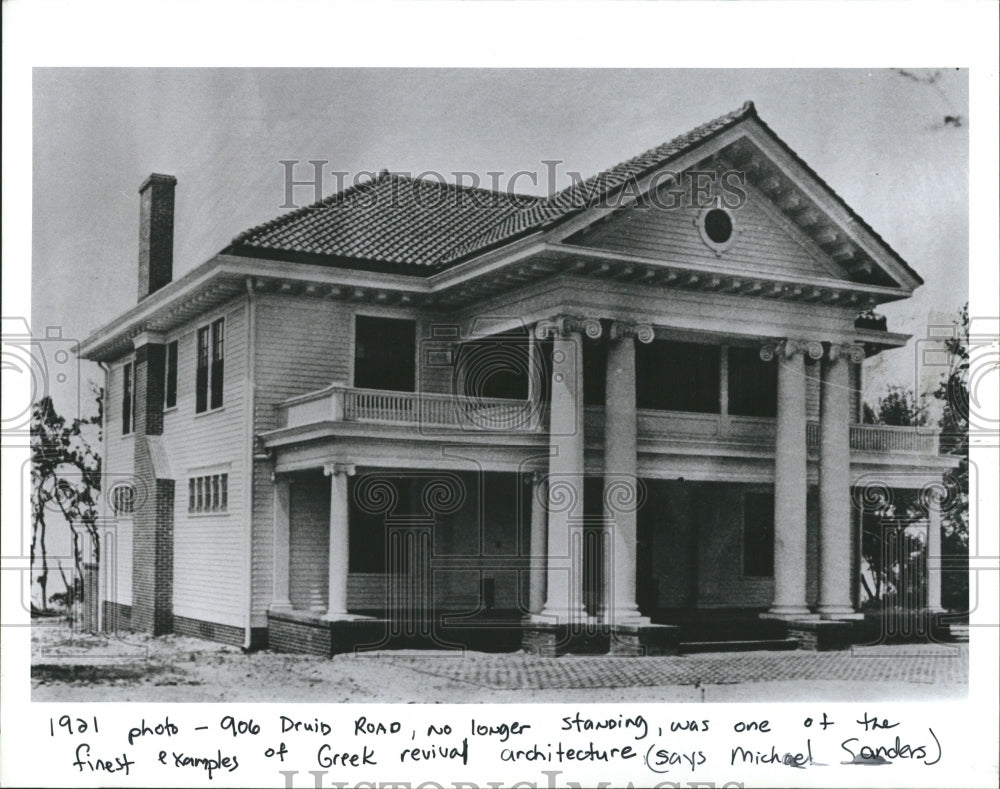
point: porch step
(773, 644)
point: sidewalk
(80, 667)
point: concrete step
(772, 644)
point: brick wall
(156, 233)
(153, 524)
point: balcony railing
(338, 403)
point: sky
(877, 137)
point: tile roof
(421, 225)
(393, 220)
(386, 222)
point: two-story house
(422, 411)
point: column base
(563, 617)
(626, 618)
(788, 612)
(841, 612)
(546, 639)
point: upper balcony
(447, 415)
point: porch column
(933, 504)
(338, 473)
(834, 481)
(790, 477)
(539, 497)
(279, 594)
(620, 479)
(564, 576)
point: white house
(417, 411)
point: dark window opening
(718, 226)
(210, 370)
(676, 376)
(753, 384)
(218, 361)
(385, 354)
(128, 397)
(595, 368)
(758, 534)
(201, 374)
(495, 366)
(170, 386)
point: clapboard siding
(309, 542)
(209, 581)
(762, 245)
(118, 467)
(301, 344)
(120, 572)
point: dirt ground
(69, 666)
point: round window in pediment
(717, 228)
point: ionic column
(336, 607)
(620, 466)
(279, 594)
(835, 480)
(933, 504)
(790, 477)
(564, 576)
(536, 579)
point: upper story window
(385, 354)
(211, 366)
(170, 384)
(677, 376)
(753, 384)
(128, 398)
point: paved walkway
(171, 668)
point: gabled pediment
(785, 220)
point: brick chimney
(156, 233)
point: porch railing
(339, 403)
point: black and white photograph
(624, 413)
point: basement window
(717, 228)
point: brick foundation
(117, 617)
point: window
(128, 398)
(758, 534)
(209, 493)
(170, 385)
(384, 354)
(717, 229)
(123, 499)
(209, 376)
(753, 384)
(677, 376)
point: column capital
(564, 325)
(333, 469)
(643, 332)
(787, 348)
(851, 351)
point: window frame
(209, 384)
(128, 398)
(208, 492)
(170, 374)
